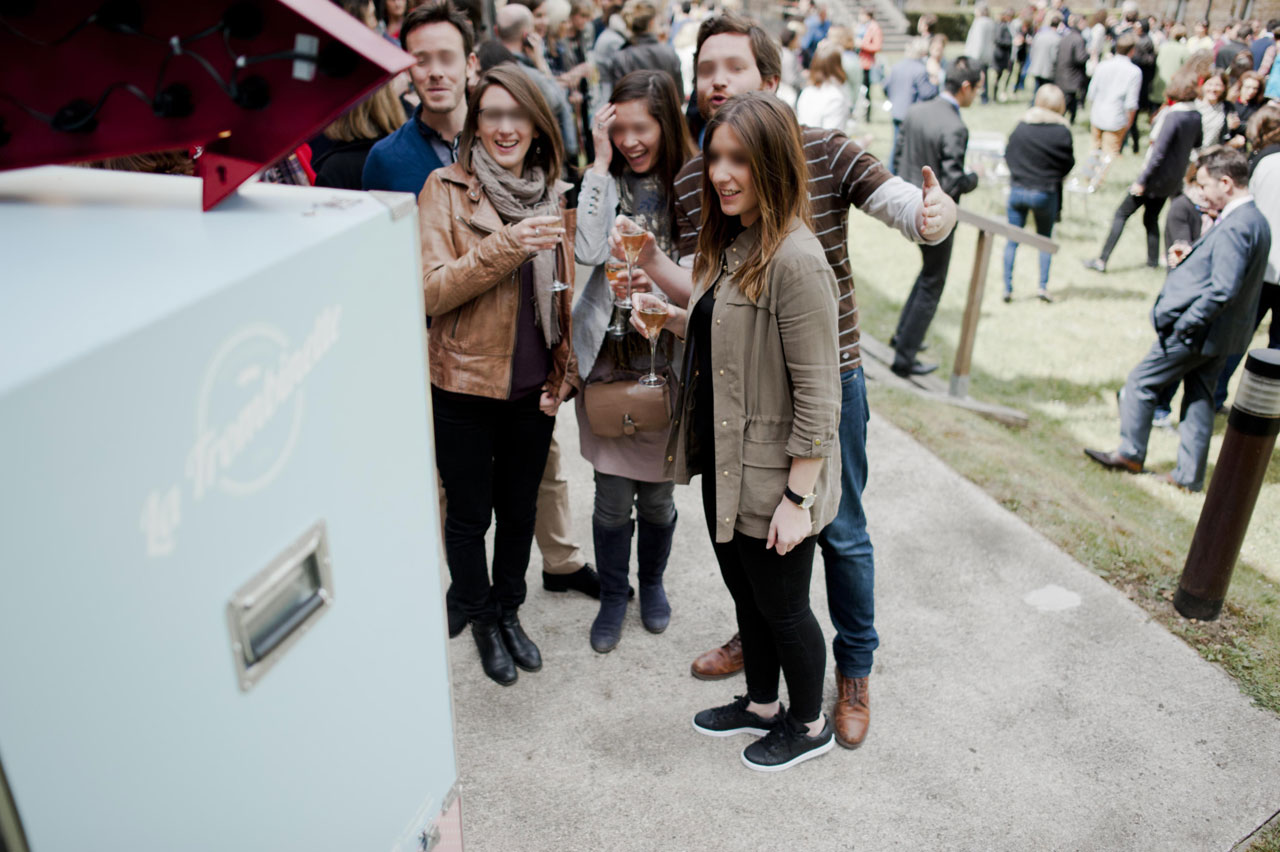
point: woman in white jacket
(825, 101)
(641, 143)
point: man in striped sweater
(734, 56)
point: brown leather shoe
(853, 710)
(1167, 479)
(1114, 461)
(719, 663)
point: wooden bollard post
(1233, 492)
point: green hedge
(953, 25)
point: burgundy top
(531, 363)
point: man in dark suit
(1205, 313)
(1069, 73)
(935, 136)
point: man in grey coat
(980, 45)
(1042, 61)
(908, 83)
(1205, 313)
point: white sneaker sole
(759, 732)
(817, 752)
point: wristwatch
(804, 502)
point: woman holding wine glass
(640, 144)
(757, 417)
(494, 243)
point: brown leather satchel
(625, 407)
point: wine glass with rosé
(614, 268)
(633, 239)
(652, 310)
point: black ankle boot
(457, 618)
(494, 656)
(653, 547)
(523, 652)
(613, 562)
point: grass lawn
(1062, 363)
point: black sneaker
(786, 745)
(733, 719)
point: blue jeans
(1044, 205)
(846, 547)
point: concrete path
(1019, 703)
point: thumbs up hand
(938, 212)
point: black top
(342, 166)
(1181, 132)
(1244, 112)
(1182, 225)
(1039, 156)
(1004, 45)
(699, 343)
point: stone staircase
(891, 18)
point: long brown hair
(658, 91)
(779, 176)
(1264, 127)
(547, 149)
(1258, 96)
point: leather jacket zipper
(515, 329)
(471, 223)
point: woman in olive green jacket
(757, 417)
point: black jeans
(490, 454)
(779, 630)
(922, 304)
(1150, 221)
(1073, 104)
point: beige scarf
(1040, 115)
(516, 199)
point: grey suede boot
(652, 550)
(613, 563)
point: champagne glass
(557, 285)
(633, 238)
(652, 310)
(613, 269)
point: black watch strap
(798, 499)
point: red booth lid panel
(249, 80)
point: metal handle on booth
(270, 613)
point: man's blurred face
(726, 67)
(1216, 192)
(440, 75)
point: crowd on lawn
(1213, 132)
(703, 170)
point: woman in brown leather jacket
(494, 243)
(757, 417)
